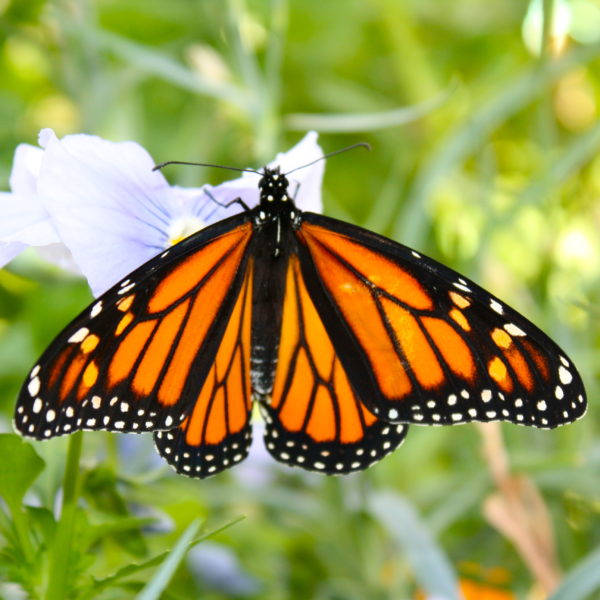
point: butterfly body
(342, 336)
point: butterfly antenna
(330, 154)
(195, 164)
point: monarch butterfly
(342, 336)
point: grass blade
(160, 580)
(431, 567)
(581, 581)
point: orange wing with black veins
(138, 358)
(217, 432)
(314, 418)
(422, 344)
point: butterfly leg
(237, 200)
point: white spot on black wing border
(330, 457)
(205, 460)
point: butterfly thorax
(275, 203)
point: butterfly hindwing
(216, 433)
(424, 345)
(314, 418)
(136, 358)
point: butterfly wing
(314, 418)
(137, 359)
(422, 344)
(216, 433)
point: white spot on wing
(564, 375)
(496, 306)
(125, 289)
(512, 329)
(461, 286)
(33, 387)
(79, 335)
(96, 309)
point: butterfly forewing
(314, 418)
(423, 344)
(136, 359)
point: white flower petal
(196, 203)
(110, 209)
(25, 171)
(59, 255)
(8, 250)
(99, 205)
(305, 184)
(23, 218)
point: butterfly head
(273, 187)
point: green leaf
(97, 533)
(430, 565)
(42, 520)
(581, 581)
(578, 153)
(131, 569)
(19, 468)
(158, 64)
(469, 137)
(158, 583)
(359, 122)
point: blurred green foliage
(491, 166)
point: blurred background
(484, 123)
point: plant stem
(60, 553)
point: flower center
(184, 227)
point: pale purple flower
(110, 212)
(23, 219)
